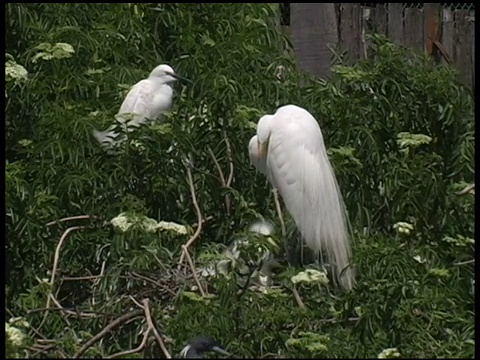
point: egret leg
(282, 225)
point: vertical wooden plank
(366, 24)
(379, 19)
(463, 45)
(472, 29)
(351, 30)
(395, 22)
(413, 31)
(432, 13)
(448, 34)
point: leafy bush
(399, 131)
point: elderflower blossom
(403, 227)
(389, 353)
(310, 276)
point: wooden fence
(447, 33)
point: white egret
(146, 101)
(289, 149)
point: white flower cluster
(389, 353)
(14, 335)
(403, 227)
(124, 222)
(47, 51)
(15, 72)
(311, 276)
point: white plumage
(146, 100)
(289, 149)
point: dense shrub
(399, 131)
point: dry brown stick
(148, 316)
(114, 324)
(199, 217)
(78, 217)
(192, 267)
(298, 298)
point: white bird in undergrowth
(146, 101)
(289, 150)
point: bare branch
(148, 316)
(192, 267)
(78, 217)
(199, 217)
(114, 324)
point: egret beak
(181, 78)
(221, 351)
(262, 149)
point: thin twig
(148, 316)
(131, 351)
(199, 217)
(81, 278)
(54, 269)
(208, 218)
(230, 160)
(464, 262)
(298, 298)
(222, 179)
(217, 165)
(192, 267)
(470, 189)
(114, 324)
(79, 217)
(141, 277)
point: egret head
(166, 74)
(199, 345)
(263, 135)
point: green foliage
(399, 132)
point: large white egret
(289, 150)
(146, 100)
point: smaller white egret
(146, 101)
(289, 149)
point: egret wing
(137, 102)
(299, 168)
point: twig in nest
(110, 327)
(199, 218)
(192, 267)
